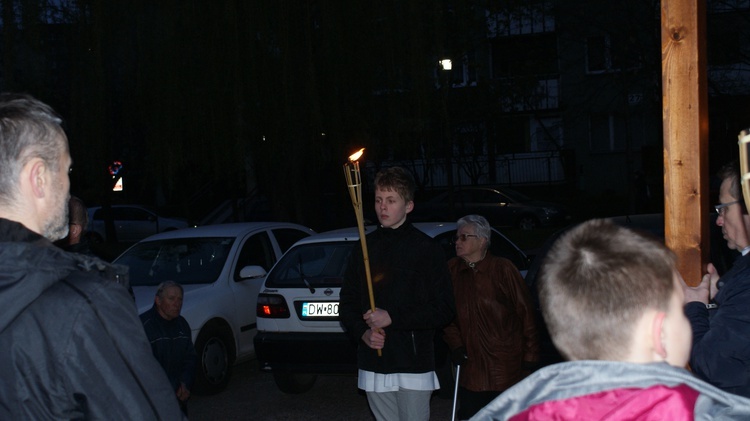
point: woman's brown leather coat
(495, 322)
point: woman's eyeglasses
(463, 237)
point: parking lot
(252, 395)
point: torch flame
(356, 155)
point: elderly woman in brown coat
(494, 335)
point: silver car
(132, 222)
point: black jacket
(72, 344)
(721, 342)
(410, 281)
(172, 345)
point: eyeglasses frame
(722, 207)
(463, 237)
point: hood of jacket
(29, 265)
(581, 388)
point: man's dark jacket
(410, 281)
(72, 344)
(721, 340)
(172, 345)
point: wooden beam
(685, 118)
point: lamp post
(446, 65)
(354, 183)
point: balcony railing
(521, 95)
(542, 167)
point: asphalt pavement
(253, 395)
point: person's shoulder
(418, 235)
(455, 261)
(499, 262)
(101, 285)
(148, 315)
(736, 281)
(89, 281)
(183, 321)
(497, 259)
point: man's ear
(37, 177)
(75, 230)
(657, 336)
(409, 206)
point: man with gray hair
(171, 339)
(72, 344)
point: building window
(529, 18)
(609, 53)
(525, 56)
(464, 72)
(546, 134)
(725, 45)
(596, 54)
(728, 6)
(607, 133)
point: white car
(132, 222)
(299, 333)
(221, 268)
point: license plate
(320, 309)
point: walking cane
(455, 392)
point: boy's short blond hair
(397, 179)
(595, 284)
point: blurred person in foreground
(612, 299)
(72, 344)
(414, 299)
(494, 335)
(171, 340)
(719, 308)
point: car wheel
(294, 383)
(215, 349)
(528, 222)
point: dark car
(502, 207)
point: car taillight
(272, 306)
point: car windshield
(312, 265)
(183, 260)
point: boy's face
(391, 208)
(678, 335)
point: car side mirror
(251, 272)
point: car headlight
(550, 211)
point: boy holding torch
(413, 297)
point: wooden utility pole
(685, 118)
